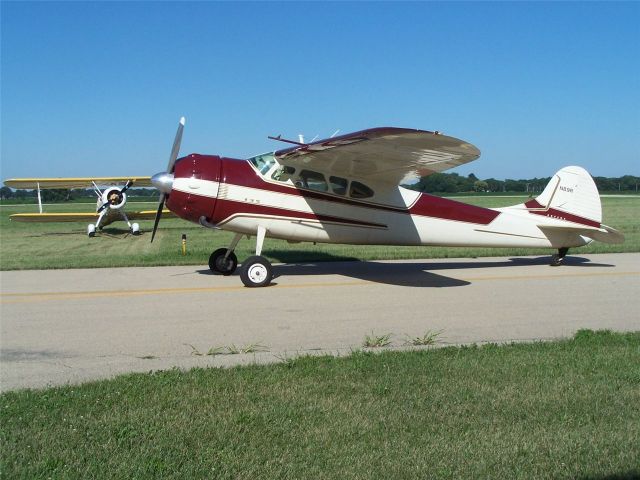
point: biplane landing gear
(135, 229)
(256, 271)
(91, 230)
(558, 258)
(223, 260)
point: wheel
(218, 264)
(135, 229)
(91, 230)
(256, 271)
(556, 260)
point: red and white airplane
(346, 189)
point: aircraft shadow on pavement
(410, 274)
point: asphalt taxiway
(69, 326)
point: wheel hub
(257, 273)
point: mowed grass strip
(565, 409)
(66, 245)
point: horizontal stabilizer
(603, 234)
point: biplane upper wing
(383, 155)
(81, 217)
(80, 182)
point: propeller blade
(176, 146)
(126, 187)
(170, 168)
(158, 215)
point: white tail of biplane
(570, 206)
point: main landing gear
(558, 258)
(256, 271)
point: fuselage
(240, 195)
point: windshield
(263, 162)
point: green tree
(6, 192)
(480, 186)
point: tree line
(455, 183)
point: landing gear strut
(558, 258)
(223, 260)
(256, 271)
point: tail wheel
(217, 262)
(256, 272)
(558, 258)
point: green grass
(566, 409)
(65, 245)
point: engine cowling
(114, 198)
(195, 186)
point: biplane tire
(256, 271)
(217, 263)
(135, 229)
(91, 230)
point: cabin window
(360, 190)
(263, 162)
(283, 173)
(338, 185)
(312, 181)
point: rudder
(571, 195)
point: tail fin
(570, 204)
(570, 195)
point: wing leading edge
(79, 182)
(383, 155)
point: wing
(81, 182)
(81, 217)
(383, 155)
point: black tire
(556, 260)
(256, 271)
(218, 265)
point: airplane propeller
(120, 192)
(163, 180)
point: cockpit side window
(263, 162)
(338, 185)
(312, 180)
(360, 190)
(283, 173)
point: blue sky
(98, 88)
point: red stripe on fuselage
(438, 207)
(558, 214)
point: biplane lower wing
(80, 217)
